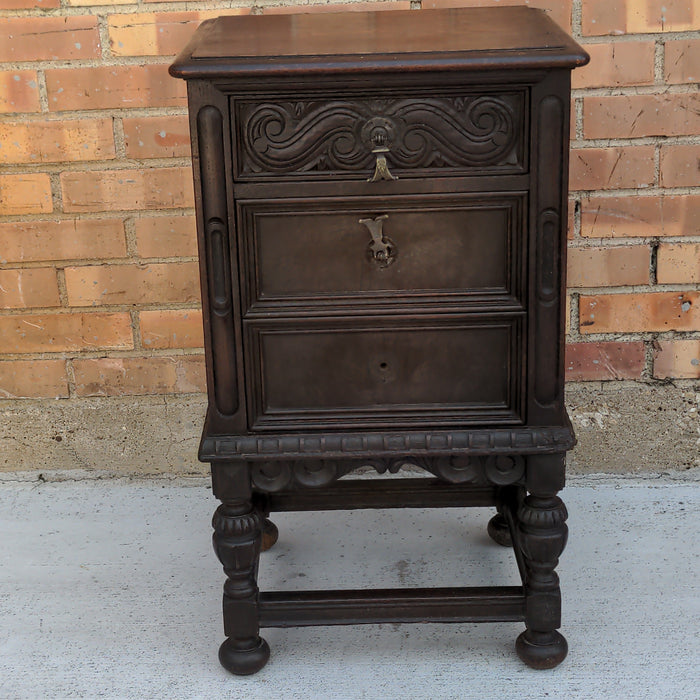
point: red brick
(678, 263)
(33, 379)
(172, 328)
(611, 168)
(680, 166)
(604, 361)
(316, 7)
(65, 332)
(54, 141)
(114, 190)
(122, 376)
(608, 267)
(560, 12)
(29, 4)
(678, 359)
(633, 116)
(634, 17)
(25, 194)
(87, 3)
(132, 284)
(19, 91)
(166, 236)
(49, 38)
(571, 220)
(631, 313)
(682, 61)
(149, 34)
(157, 137)
(613, 217)
(31, 241)
(114, 87)
(22, 289)
(616, 64)
(572, 119)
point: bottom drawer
(384, 373)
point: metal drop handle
(381, 167)
(379, 134)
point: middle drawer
(458, 248)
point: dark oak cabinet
(381, 212)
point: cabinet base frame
(532, 522)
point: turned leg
(509, 499)
(498, 529)
(238, 527)
(270, 533)
(542, 535)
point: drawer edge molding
(211, 162)
(484, 442)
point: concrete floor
(110, 589)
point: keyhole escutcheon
(381, 249)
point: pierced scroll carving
(283, 475)
(504, 469)
(458, 132)
(458, 469)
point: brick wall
(98, 281)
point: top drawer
(334, 137)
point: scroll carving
(283, 475)
(473, 131)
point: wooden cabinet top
(386, 41)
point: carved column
(542, 538)
(238, 527)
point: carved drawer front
(384, 373)
(382, 137)
(379, 250)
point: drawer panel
(384, 249)
(469, 132)
(387, 373)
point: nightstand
(381, 211)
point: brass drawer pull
(379, 135)
(381, 249)
(381, 168)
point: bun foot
(270, 535)
(499, 531)
(243, 662)
(541, 650)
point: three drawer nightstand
(381, 211)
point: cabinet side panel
(219, 280)
(550, 125)
(216, 240)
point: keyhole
(383, 365)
